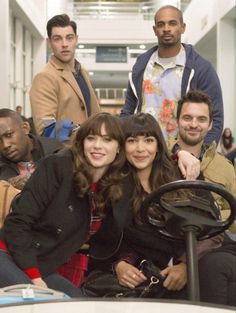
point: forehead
(167, 15)
(6, 124)
(62, 31)
(195, 109)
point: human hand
(39, 282)
(175, 276)
(128, 275)
(189, 165)
(19, 181)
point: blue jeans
(11, 274)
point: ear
(183, 28)
(26, 127)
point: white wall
(217, 17)
(29, 17)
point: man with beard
(217, 271)
(163, 74)
(194, 119)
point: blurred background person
(227, 145)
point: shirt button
(37, 245)
(82, 107)
(70, 208)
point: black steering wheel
(198, 210)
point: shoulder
(49, 145)
(57, 162)
(193, 57)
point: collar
(178, 60)
(204, 148)
(77, 67)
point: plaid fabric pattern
(74, 270)
(96, 220)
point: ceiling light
(142, 46)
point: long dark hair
(227, 141)
(108, 187)
(164, 169)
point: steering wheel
(197, 210)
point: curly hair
(109, 186)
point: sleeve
(130, 103)
(27, 211)
(205, 246)
(43, 99)
(209, 82)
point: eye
(107, 138)
(90, 137)
(56, 38)
(9, 134)
(70, 37)
(150, 139)
(160, 24)
(202, 119)
(130, 140)
(173, 23)
(187, 118)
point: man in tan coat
(62, 89)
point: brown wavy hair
(109, 186)
(164, 169)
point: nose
(194, 122)
(5, 143)
(64, 42)
(166, 27)
(98, 143)
(140, 146)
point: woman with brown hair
(71, 196)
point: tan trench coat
(55, 94)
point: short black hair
(196, 96)
(12, 114)
(173, 8)
(61, 20)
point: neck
(72, 65)
(169, 52)
(28, 156)
(97, 174)
(143, 176)
(195, 150)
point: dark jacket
(42, 147)
(198, 74)
(49, 222)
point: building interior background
(111, 36)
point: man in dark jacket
(162, 75)
(19, 150)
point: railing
(120, 10)
(111, 99)
(113, 10)
(110, 93)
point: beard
(190, 140)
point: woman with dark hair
(69, 198)
(228, 147)
(151, 166)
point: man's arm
(43, 99)
(209, 83)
